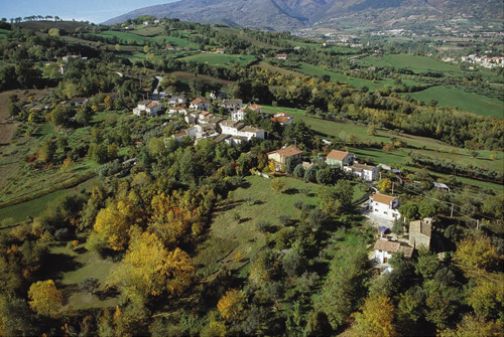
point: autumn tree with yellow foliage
(376, 318)
(148, 268)
(230, 304)
(112, 224)
(45, 298)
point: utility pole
(477, 224)
(393, 183)
(451, 212)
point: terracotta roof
(152, 104)
(205, 113)
(288, 151)
(280, 119)
(199, 100)
(388, 246)
(337, 155)
(383, 198)
(254, 107)
(393, 247)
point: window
(385, 213)
(376, 209)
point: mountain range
(288, 15)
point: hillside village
(382, 210)
(167, 178)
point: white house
(250, 132)
(191, 118)
(199, 103)
(365, 172)
(150, 108)
(384, 206)
(384, 250)
(177, 110)
(204, 117)
(231, 104)
(177, 100)
(195, 131)
(238, 115)
(281, 56)
(237, 129)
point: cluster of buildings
(419, 237)
(204, 124)
(484, 61)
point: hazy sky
(90, 10)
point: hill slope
(282, 15)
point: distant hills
(287, 15)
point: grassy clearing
(220, 60)
(232, 242)
(465, 101)
(82, 265)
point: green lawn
(220, 60)
(232, 242)
(84, 265)
(465, 101)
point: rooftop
(288, 151)
(393, 247)
(337, 155)
(382, 198)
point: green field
(428, 147)
(414, 62)
(85, 265)
(465, 101)
(340, 77)
(220, 60)
(232, 242)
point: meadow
(234, 237)
(462, 100)
(75, 267)
(220, 60)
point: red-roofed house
(339, 158)
(279, 157)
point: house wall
(334, 162)
(384, 211)
(419, 240)
(381, 256)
